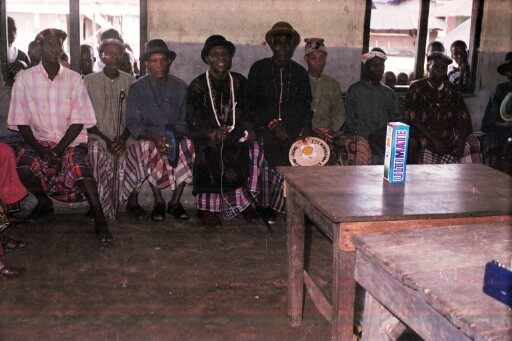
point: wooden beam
(3, 38)
(421, 39)
(74, 34)
(143, 32)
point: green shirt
(327, 105)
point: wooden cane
(115, 184)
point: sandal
(177, 211)
(104, 236)
(137, 212)
(11, 245)
(158, 213)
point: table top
(360, 193)
(446, 266)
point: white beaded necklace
(232, 89)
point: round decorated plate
(309, 151)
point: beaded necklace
(280, 98)
(232, 99)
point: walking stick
(115, 183)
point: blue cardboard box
(395, 160)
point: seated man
(439, 118)
(459, 71)
(280, 100)
(51, 109)
(327, 105)
(370, 106)
(107, 139)
(154, 101)
(228, 159)
(497, 130)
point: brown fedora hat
(282, 27)
(157, 46)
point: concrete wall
(185, 25)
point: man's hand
(439, 147)
(17, 65)
(116, 146)
(325, 134)
(280, 132)
(159, 142)
(221, 133)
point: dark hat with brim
(436, 55)
(508, 62)
(216, 40)
(111, 41)
(155, 46)
(50, 32)
(282, 27)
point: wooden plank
(379, 323)
(405, 303)
(440, 268)
(352, 229)
(452, 191)
(343, 293)
(295, 249)
(317, 297)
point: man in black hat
(228, 159)
(280, 98)
(439, 118)
(51, 109)
(497, 124)
(155, 101)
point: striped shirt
(50, 107)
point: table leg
(295, 248)
(379, 323)
(343, 291)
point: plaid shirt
(50, 107)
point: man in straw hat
(280, 98)
(497, 130)
(327, 105)
(154, 101)
(439, 118)
(228, 159)
(51, 109)
(107, 139)
(370, 106)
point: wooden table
(431, 280)
(346, 201)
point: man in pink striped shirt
(51, 109)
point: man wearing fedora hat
(280, 98)
(107, 90)
(439, 118)
(51, 109)
(155, 101)
(228, 159)
(497, 130)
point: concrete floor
(159, 281)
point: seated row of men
(82, 142)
